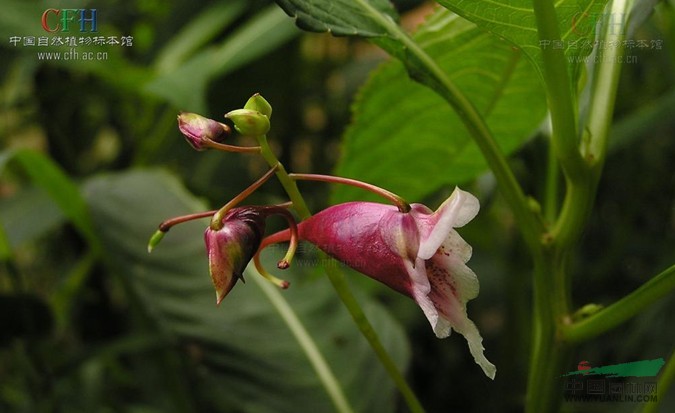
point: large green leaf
(405, 137)
(340, 17)
(20, 18)
(34, 211)
(28, 214)
(248, 359)
(46, 174)
(515, 21)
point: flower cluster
(407, 247)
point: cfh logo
(61, 20)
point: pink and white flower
(417, 253)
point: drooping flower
(231, 247)
(198, 130)
(417, 253)
(234, 241)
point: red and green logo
(644, 368)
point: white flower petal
(460, 208)
(472, 336)
(455, 245)
(420, 290)
(468, 207)
(452, 285)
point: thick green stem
(580, 194)
(622, 310)
(529, 224)
(548, 353)
(663, 385)
(341, 286)
(288, 184)
(551, 201)
(575, 211)
(558, 92)
(551, 336)
(605, 84)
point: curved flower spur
(417, 253)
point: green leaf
(5, 248)
(20, 18)
(340, 17)
(28, 214)
(418, 144)
(243, 346)
(47, 175)
(514, 20)
(185, 87)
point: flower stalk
(401, 204)
(340, 285)
(165, 226)
(217, 219)
(231, 148)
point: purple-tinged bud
(231, 247)
(198, 130)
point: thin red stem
(293, 228)
(231, 148)
(166, 225)
(217, 220)
(281, 209)
(401, 203)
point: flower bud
(258, 103)
(249, 122)
(198, 130)
(231, 247)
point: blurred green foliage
(92, 160)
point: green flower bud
(258, 103)
(249, 122)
